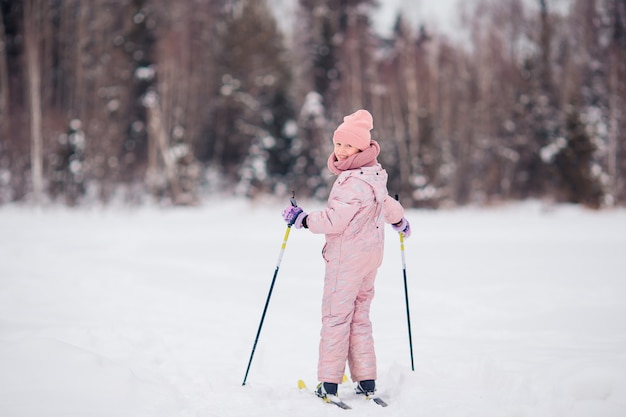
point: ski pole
(406, 296)
(269, 295)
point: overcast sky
(438, 15)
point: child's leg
(340, 292)
(334, 342)
(361, 354)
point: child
(353, 222)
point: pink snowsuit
(358, 208)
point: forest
(139, 101)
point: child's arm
(394, 214)
(392, 210)
(334, 218)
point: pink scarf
(365, 158)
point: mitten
(294, 215)
(403, 227)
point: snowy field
(518, 311)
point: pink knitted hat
(355, 130)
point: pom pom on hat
(355, 130)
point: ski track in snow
(516, 311)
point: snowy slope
(517, 311)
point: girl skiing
(353, 222)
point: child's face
(344, 151)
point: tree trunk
(410, 78)
(4, 84)
(399, 135)
(158, 137)
(616, 90)
(31, 41)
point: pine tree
(252, 89)
(574, 164)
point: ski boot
(367, 387)
(324, 389)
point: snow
(516, 311)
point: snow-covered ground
(517, 311)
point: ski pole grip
(293, 199)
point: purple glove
(294, 215)
(403, 227)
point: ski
(330, 399)
(377, 400)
